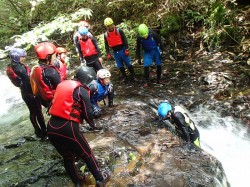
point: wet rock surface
(133, 145)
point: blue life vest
(102, 92)
(148, 44)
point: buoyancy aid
(188, 120)
(62, 69)
(64, 105)
(148, 44)
(14, 77)
(87, 47)
(101, 91)
(113, 38)
(38, 85)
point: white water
(10, 95)
(228, 141)
(225, 138)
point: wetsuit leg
(36, 115)
(69, 142)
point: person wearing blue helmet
(88, 49)
(19, 74)
(184, 126)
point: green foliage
(170, 24)
(219, 26)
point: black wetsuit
(183, 130)
(32, 102)
(65, 135)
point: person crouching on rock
(99, 89)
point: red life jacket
(38, 85)
(13, 76)
(63, 104)
(63, 70)
(87, 47)
(113, 38)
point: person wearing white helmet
(184, 126)
(100, 88)
(19, 74)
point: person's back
(70, 106)
(19, 74)
(44, 78)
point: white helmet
(103, 73)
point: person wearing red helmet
(19, 74)
(44, 77)
(88, 49)
(60, 62)
(70, 107)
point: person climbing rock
(184, 126)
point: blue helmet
(83, 31)
(16, 53)
(164, 108)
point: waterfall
(228, 140)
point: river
(224, 137)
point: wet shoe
(106, 176)
(158, 81)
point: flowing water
(224, 137)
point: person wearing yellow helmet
(152, 46)
(115, 39)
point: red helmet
(44, 49)
(83, 24)
(60, 50)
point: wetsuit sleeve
(180, 123)
(138, 48)
(157, 38)
(81, 95)
(24, 80)
(124, 38)
(96, 46)
(78, 46)
(52, 77)
(106, 44)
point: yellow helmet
(108, 22)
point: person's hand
(127, 52)
(100, 60)
(139, 61)
(108, 56)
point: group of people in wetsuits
(69, 102)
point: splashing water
(9, 94)
(229, 141)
